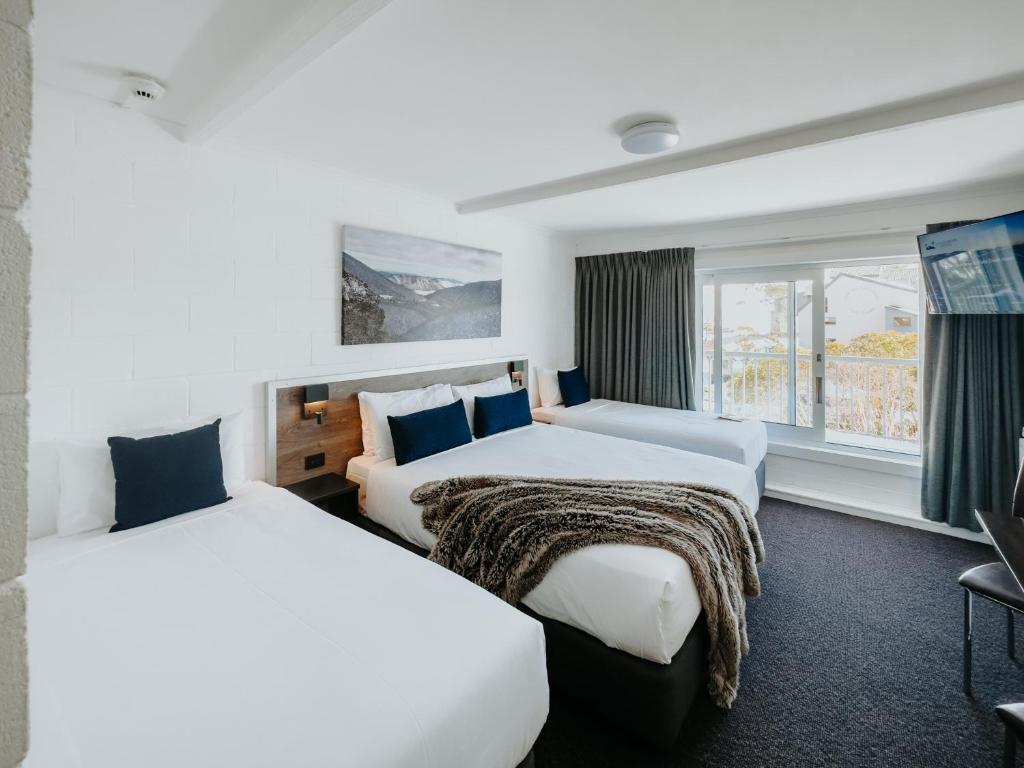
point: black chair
(993, 582)
(1012, 716)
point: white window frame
(788, 435)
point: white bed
(745, 442)
(263, 632)
(641, 600)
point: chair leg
(1011, 644)
(1009, 750)
(967, 641)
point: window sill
(866, 459)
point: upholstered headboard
(293, 435)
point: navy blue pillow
(500, 412)
(425, 433)
(574, 387)
(167, 475)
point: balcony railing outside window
(871, 402)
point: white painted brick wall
(82, 358)
(99, 409)
(152, 311)
(175, 280)
(15, 261)
(165, 356)
(238, 314)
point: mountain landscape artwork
(401, 288)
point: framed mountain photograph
(401, 288)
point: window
(826, 354)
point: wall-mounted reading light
(515, 372)
(314, 402)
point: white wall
(173, 280)
(895, 492)
(15, 258)
(879, 228)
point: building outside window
(829, 354)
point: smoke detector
(140, 91)
(649, 138)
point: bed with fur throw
(505, 533)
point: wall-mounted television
(976, 269)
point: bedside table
(333, 493)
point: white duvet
(264, 632)
(745, 442)
(638, 599)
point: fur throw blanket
(505, 533)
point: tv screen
(977, 269)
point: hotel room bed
(744, 442)
(263, 632)
(641, 601)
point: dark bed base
(646, 699)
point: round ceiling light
(648, 138)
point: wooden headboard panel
(340, 437)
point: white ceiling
(87, 46)
(467, 98)
(192, 46)
(935, 156)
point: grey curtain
(636, 334)
(973, 411)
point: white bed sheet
(745, 442)
(359, 467)
(358, 471)
(641, 600)
(263, 632)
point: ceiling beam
(892, 117)
(272, 60)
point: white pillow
(86, 475)
(470, 392)
(547, 387)
(86, 478)
(232, 449)
(371, 403)
(375, 407)
(369, 448)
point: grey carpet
(855, 660)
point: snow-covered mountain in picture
(403, 288)
(424, 286)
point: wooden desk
(1007, 534)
